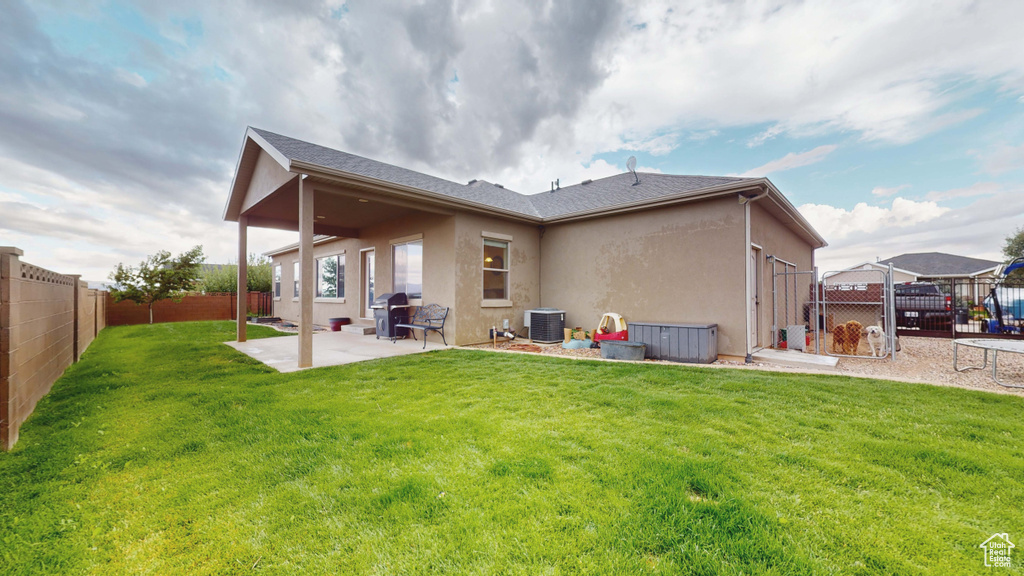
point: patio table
(988, 344)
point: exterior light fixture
(364, 200)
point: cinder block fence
(46, 321)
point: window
(277, 281)
(330, 276)
(295, 279)
(407, 269)
(495, 270)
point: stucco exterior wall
(438, 268)
(679, 264)
(476, 315)
(778, 240)
(267, 176)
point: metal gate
(849, 313)
(960, 308)
(793, 307)
(858, 313)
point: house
(652, 247)
(973, 276)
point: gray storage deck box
(696, 343)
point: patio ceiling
(340, 210)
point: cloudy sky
(894, 126)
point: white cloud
(978, 189)
(886, 192)
(886, 72)
(863, 219)
(541, 92)
(869, 232)
(130, 78)
(1003, 159)
(790, 161)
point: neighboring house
(933, 265)
(974, 275)
(670, 249)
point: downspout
(745, 198)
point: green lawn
(166, 452)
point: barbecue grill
(388, 310)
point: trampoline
(989, 344)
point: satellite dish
(631, 165)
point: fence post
(75, 295)
(10, 267)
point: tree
(225, 278)
(1014, 248)
(157, 278)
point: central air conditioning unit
(547, 325)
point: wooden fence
(47, 320)
(190, 308)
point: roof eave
(702, 194)
(782, 202)
(407, 192)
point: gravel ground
(930, 360)
(924, 360)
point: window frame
(506, 301)
(277, 281)
(405, 241)
(296, 276)
(339, 285)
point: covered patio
(330, 349)
(291, 189)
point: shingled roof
(940, 264)
(604, 193)
(619, 190)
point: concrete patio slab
(329, 349)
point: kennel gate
(864, 297)
(803, 304)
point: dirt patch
(545, 349)
(923, 360)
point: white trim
(406, 239)
(496, 303)
(746, 276)
(485, 236)
(324, 300)
(412, 238)
(316, 278)
(496, 236)
(294, 247)
(269, 149)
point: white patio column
(306, 273)
(243, 275)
